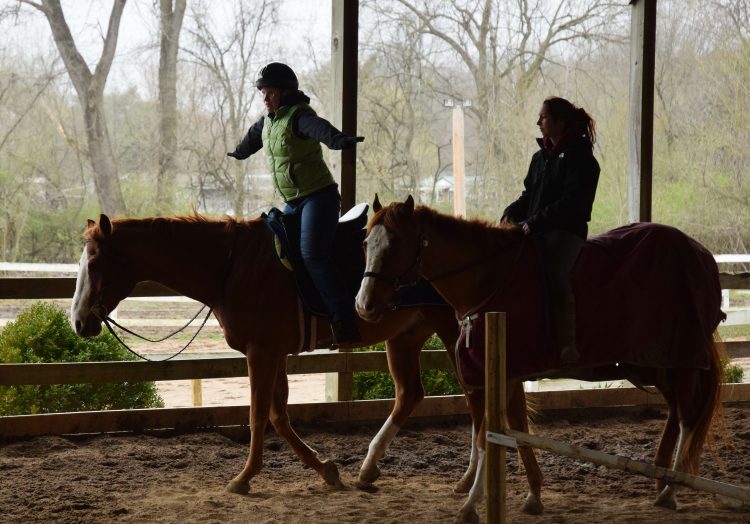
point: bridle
(401, 281)
(109, 322)
(99, 310)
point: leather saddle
(347, 255)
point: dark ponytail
(576, 118)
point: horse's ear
(376, 205)
(409, 205)
(105, 226)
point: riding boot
(566, 333)
(345, 331)
(568, 350)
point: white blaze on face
(379, 240)
(82, 300)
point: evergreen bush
(732, 373)
(42, 333)
(367, 385)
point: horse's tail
(710, 415)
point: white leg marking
(378, 446)
(468, 511)
(667, 496)
(467, 479)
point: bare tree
(229, 63)
(10, 87)
(738, 14)
(172, 13)
(90, 89)
(503, 45)
(394, 104)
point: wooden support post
(197, 392)
(344, 59)
(495, 417)
(344, 47)
(641, 111)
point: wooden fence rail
(224, 367)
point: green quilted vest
(297, 165)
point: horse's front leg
(327, 469)
(468, 512)
(475, 404)
(262, 368)
(403, 363)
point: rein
(109, 322)
(467, 267)
(400, 282)
(500, 286)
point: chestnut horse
(474, 265)
(231, 266)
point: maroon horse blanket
(646, 294)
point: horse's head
(104, 279)
(392, 252)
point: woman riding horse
(291, 134)
(556, 205)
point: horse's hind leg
(665, 451)
(262, 366)
(403, 362)
(696, 398)
(518, 420)
(280, 419)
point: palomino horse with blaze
(231, 266)
(647, 306)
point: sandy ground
(236, 391)
(181, 478)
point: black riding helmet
(278, 75)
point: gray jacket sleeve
(252, 143)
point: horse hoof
(367, 487)
(370, 475)
(239, 487)
(331, 475)
(467, 515)
(666, 499)
(464, 485)
(532, 505)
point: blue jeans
(319, 216)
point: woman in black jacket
(555, 206)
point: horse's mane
(168, 224)
(475, 231)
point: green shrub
(368, 385)
(732, 373)
(42, 333)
